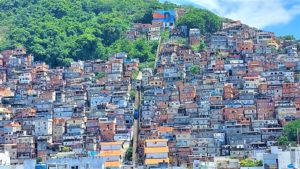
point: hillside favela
(144, 84)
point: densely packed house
(231, 99)
(194, 109)
(78, 110)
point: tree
(283, 141)
(165, 35)
(135, 75)
(202, 46)
(290, 130)
(195, 69)
(251, 163)
(204, 20)
(91, 29)
(288, 37)
(128, 154)
(86, 47)
(289, 136)
(141, 49)
(199, 47)
(147, 65)
(132, 94)
(39, 160)
(100, 75)
(67, 61)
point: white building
(263, 37)
(77, 65)
(4, 158)
(78, 163)
(117, 67)
(104, 99)
(43, 127)
(25, 78)
(278, 158)
(286, 159)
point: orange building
(233, 113)
(246, 45)
(5, 92)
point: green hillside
(54, 30)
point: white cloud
(257, 13)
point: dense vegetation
(57, 30)
(289, 136)
(201, 19)
(288, 37)
(251, 163)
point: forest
(58, 31)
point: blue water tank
(291, 166)
(41, 166)
(92, 153)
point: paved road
(136, 124)
(136, 130)
(157, 51)
(134, 147)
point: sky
(279, 16)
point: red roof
(158, 15)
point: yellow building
(112, 153)
(156, 153)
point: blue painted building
(167, 17)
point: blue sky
(279, 16)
